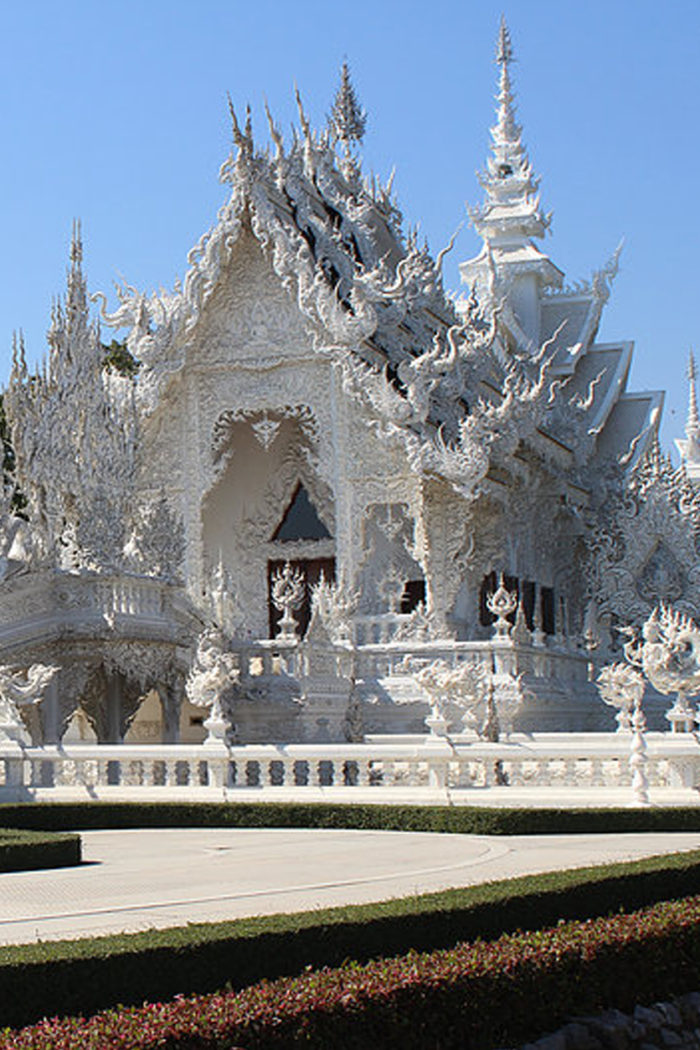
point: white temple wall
(384, 548)
(524, 298)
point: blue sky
(116, 113)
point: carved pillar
(115, 699)
(342, 488)
(196, 450)
(50, 712)
(447, 542)
(170, 696)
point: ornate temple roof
(536, 308)
(462, 385)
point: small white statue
(621, 686)
(288, 590)
(486, 699)
(502, 603)
(213, 672)
(21, 687)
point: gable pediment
(250, 315)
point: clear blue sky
(115, 112)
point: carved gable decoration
(662, 578)
(301, 520)
(645, 551)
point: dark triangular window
(300, 520)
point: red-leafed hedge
(478, 996)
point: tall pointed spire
(692, 426)
(511, 215)
(76, 308)
(507, 132)
(690, 447)
(512, 207)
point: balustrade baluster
(437, 772)
(216, 772)
(65, 772)
(514, 772)
(389, 773)
(570, 765)
(413, 773)
(364, 772)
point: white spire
(692, 427)
(690, 448)
(512, 208)
(511, 215)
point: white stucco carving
(20, 688)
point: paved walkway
(139, 879)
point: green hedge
(25, 850)
(84, 976)
(470, 820)
(472, 997)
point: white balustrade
(413, 767)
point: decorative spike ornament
(347, 119)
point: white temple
(309, 467)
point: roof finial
(504, 47)
(76, 294)
(692, 427)
(347, 119)
(511, 215)
(507, 132)
(76, 245)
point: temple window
(413, 595)
(548, 610)
(300, 520)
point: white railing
(382, 660)
(382, 769)
(43, 604)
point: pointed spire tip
(504, 46)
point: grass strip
(26, 850)
(471, 997)
(465, 820)
(59, 977)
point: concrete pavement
(138, 879)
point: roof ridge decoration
(650, 534)
(347, 120)
(470, 441)
(597, 286)
(333, 237)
